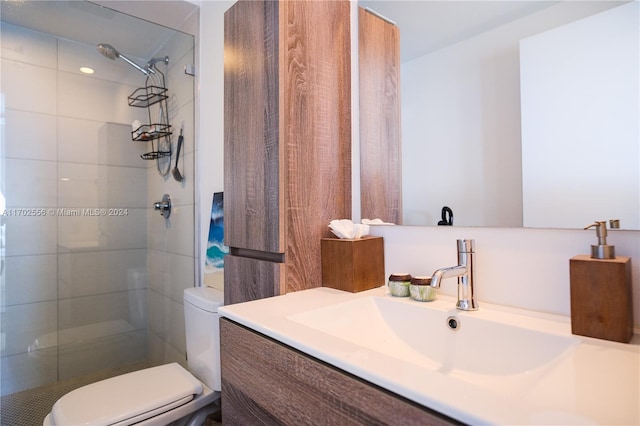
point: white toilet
(159, 395)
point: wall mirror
(519, 113)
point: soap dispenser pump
(601, 297)
(601, 250)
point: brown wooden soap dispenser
(601, 304)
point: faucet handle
(466, 246)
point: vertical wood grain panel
(249, 279)
(317, 120)
(253, 201)
(287, 133)
(265, 382)
(380, 151)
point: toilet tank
(203, 333)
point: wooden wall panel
(380, 150)
(252, 149)
(265, 382)
(249, 279)
(317, 118)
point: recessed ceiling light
(86, 70)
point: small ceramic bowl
(399, 284)
(421, 290)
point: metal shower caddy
(153, 93)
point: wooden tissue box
(352, 265)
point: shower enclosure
(91, 276)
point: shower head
(110, 52)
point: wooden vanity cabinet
(287, 141)
(266, 382)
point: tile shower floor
(30, 407)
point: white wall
(461, 124)
(587, 141)
(523, 268)
(210, 152)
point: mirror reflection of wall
(461, 114)
(585, 142)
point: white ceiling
(429, 25)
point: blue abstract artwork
(216, 250)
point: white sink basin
(495, 344)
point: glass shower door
(92, 274)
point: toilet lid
(127, 399)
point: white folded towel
(345, 228)
(376, 222)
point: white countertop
(593, 382)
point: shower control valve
(164, 206)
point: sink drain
(453, 323)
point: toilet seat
(127, 399)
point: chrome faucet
(466, 276)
